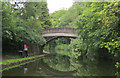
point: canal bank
(12, 63)
(62, 65)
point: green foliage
(24, 24)
(113, 46)
(62, 47)
(96, 24)
(9, 23)
(56, 18)
(38, 11)
(99, 28)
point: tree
(24, 24)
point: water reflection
(62, 65)
(25, 69)
(58, 62)
(81, 67)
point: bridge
(53, 33)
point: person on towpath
(26, 50)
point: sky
(55, 5)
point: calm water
(61, 65)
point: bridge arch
(54, 33)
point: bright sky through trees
(54, 5)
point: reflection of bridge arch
(53, 72)
(54, 33)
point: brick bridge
(54, 33)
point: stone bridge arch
(54, 33)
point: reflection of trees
(56, 65)
(44, 69)
(102, 68)
(74, 64)
(58, 62)
(82, 68)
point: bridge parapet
(60, 30)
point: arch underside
(50, 38)
(60, 34)
(56, 37)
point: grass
(17, 65)
(19, 59)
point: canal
(62, 65)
